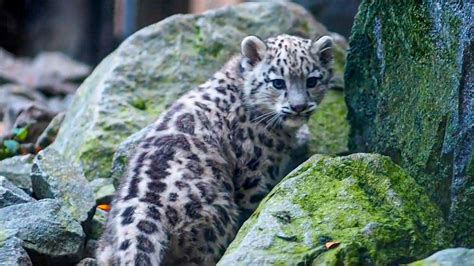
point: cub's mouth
(294, 121)
(298, 116)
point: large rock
(448, 257)
(45, 229)
(159, 63)
(409, 88)
(54, 177)
(10, 194)
(364, 202)
(17, 169)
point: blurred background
(87, 30)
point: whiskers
(272, 122)
(261, 118)
(268, 119)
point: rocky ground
(334, 209)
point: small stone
(17, 170)
(10, 194)
(45, 228)
(54, 177)
(12, 252)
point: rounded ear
(253, 48)
(322, 49)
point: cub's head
(286, 77)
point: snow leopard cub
(217, 151)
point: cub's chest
(255, 147)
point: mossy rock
(369, 205)
(409, 90)
(159, 63)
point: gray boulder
(54, 177)
(45, 228)
(12, 252)
(448, 257)
(10, 194)
(156, 65)
(17, 170)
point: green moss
(98, 161)
(3, 237)
(140, 104)
(331, 179)
(204, 48)
(329, 127)
(364, 201)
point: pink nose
(298, 107)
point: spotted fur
(213, 156)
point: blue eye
(279, 84)
(311, 82)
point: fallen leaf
(37, 149)
(104, 207)
(331, 244)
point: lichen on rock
(364, 201)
